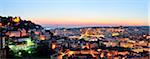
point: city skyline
(78, 12)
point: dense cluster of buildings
(20, 38)
(117, 42)
(16, 35)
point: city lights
(90, 42)
(74, 29)
(16, 19)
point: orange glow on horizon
(123, 22)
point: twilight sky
(78, 12)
